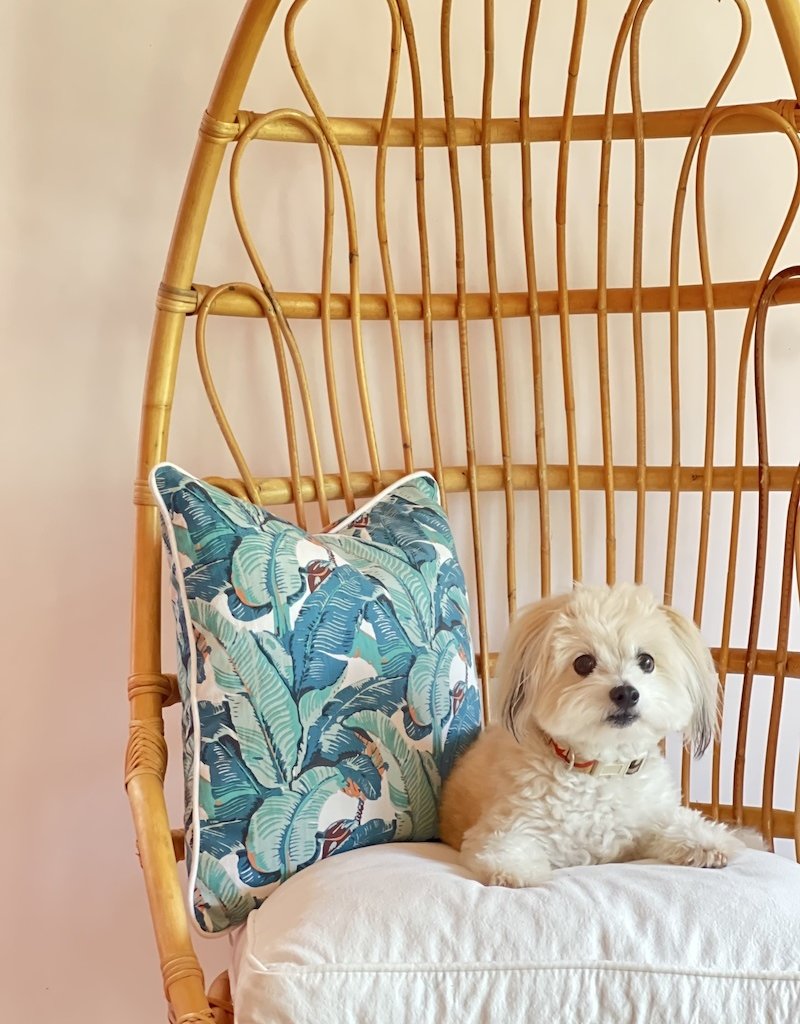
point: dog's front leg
(498, 854)
(689, 838)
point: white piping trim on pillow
(195, 824)
(173, 544)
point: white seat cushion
(402, 935)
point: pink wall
(105, 99)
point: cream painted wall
(104, 103)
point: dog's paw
(503, 860)
(704, 857)
(714, 854)
(692, 840)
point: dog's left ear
(700, 678)
(521, 665)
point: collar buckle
(613, 768)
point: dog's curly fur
(516, 810)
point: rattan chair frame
(224, 125)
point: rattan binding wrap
(314, 479)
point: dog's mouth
(622, 719)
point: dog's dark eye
(584, 665)
(646, 663)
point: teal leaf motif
(431, 769)
(428, 685)
(326, 628)
(462, 731)
(332, 744)
(391, 649)
(240, 667)
(384, 695)
(361, 770)
(232, 790)
(312, 703)
(222, 837)
(405, 826)
(406, 521)
(405, 587)
(213, 533)
(219, 902)
(419, 792)
(312, 777)
(283, 831)
(265, 572)
(369, 834)
(183, 539)
(256, 752)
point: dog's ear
(700, 678)
(521, 661)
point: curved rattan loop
(352, 235)
(463, 337)
(711, 129)
(424, 253)
(562, 179)
(711, 385)
(766, 300)
(602, 300)
(789, 549)
(383, 236)
(794, 205)
(674, 283)
(636, 303)
(278, 338)
(494, 300)
(248, 135)
(213, 397)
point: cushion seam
(300, 970)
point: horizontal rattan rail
(469, 131)
(783, 826)
(478, 306)
(278, 491)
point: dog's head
(603, 667)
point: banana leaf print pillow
(328, 682)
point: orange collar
(567, 755)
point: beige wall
(104, 100)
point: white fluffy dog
(591, 682)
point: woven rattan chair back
(589, 414)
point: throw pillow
(328, 681)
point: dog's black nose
(625, 696)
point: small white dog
(591, 682)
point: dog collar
(567, 755)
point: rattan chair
(604, 493)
